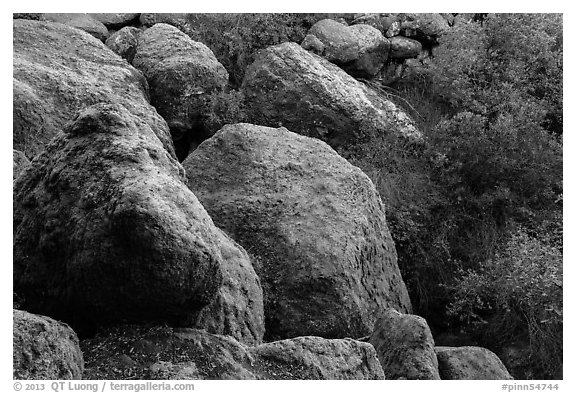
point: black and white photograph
(296, 196)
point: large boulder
(44, 348)
(314, 224)
(405, 346)
(361, 50)
(291, 87)
(116, 21)
(124, 42)
(83, 22)
(20, 162)
(105, 230)
(181, 74)
(58, 71)
(142, 352)
(470, 363)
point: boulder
(44, 348)
(105, 230)
(313, 223)
(20, 162)
(58, 71)
(426, 28)
(238, 309)
(470, 363)
(404, 48)
(361, 50)
(181, 74)
(291, 87)
(124, 42)
(152, 352)
(83, 22)
(116, 21)
(404, 346)
(323, 359)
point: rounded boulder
(313, 224)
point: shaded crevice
(189, 140)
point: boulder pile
(146, 246)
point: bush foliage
(477, 214)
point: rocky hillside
(171, 224)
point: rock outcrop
(470, 363)
(44, 348)
(181, 73)
(165, 353)
(314, 224)
(105, 230)
(83, 22)
(405, 346)
(360, 50)
(20, 162)
(124, 42)
(58, 71)
(291, 87)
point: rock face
(238, 309)
(314, 224)
(288, 86)
(83, 22)
(59, 70)
(20, 162)
(105, 229)
(116, 21)
(470, 363)
(405, 346)
(124, 42)
(44, 348)
(181, 73)
(165, 353)
(360, 50)
(404, 48)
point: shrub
(515, 296)
(235, 38)
(490, 107)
